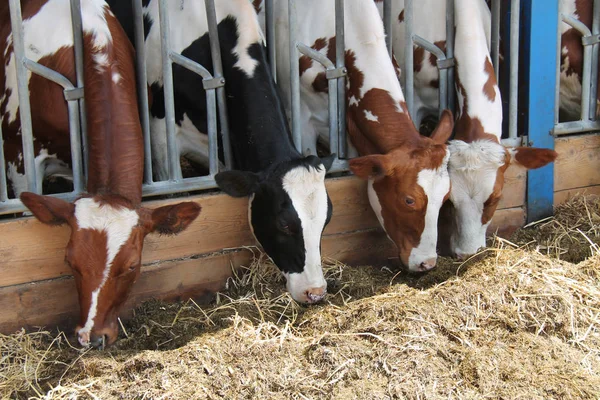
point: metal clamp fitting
(336, 73)
(446, 63)
(589, 40)
(73, 94)
(213, 83)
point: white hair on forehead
(480, 154)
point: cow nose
(428, 264)
(98, 341)
(315, 295)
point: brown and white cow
(478, 160)
(108, 224)
(571, 61)
(407, 173)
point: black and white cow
(289, 206)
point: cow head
(407, 187)
(288, 210)
(477, 175)
(105, 251)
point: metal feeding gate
(542, 70)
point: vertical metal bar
(443, 92)
(78, 48)
(167, 67)
(340, 51)
(23, 91)
(211, 119)
(408, 57)
(270, 34)
(215, 51)
(495, 41)
(3, 187)
(387, 24)
(557, 72)
(450, 50)
(514, 68)
(142, 86)
(294, 76)
(586, 82)
(75, 141)
(595, 53)
(333, 116)
(541, 58)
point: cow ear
(238, 183)
(443, 131)
(328, 161)
(173, 219)
(49, 210)
(532, 157)
(373, 166)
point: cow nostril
(315, 295)
(428, 265)
(99, 342)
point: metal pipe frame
(513, 111)
(142, 86)
(450, 52)
(566, 128)
(408, 74)
(340, 52)
(215, 51)
(442, 70)
(270, 36)
(495, 40)
(3, 187)
(294, 77)
(594, 61)
(587, 64)
(387, 24)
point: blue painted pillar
(539, 40)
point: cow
(289, 206)
(571, 59)
(407, 173)
(478, 160)
(108, 223)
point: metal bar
(142, 86)
(270, 34)
(294, 77)
(172, 150)
(443, 72)
(3, 187)
(542, 59)
(587, 65)
(513, 110)
(558, 57)
(340, 61)
(213, 142)
(75, 141)
(450, 51)
(191, 65)
(215, 51)
(12, 206)
(387, 24)
(566, 128)
(183, 185)
(79, 73)
(594, 61)
(408, 57)
(315, 55)
(495, 42)
(23, 92)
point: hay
(511, 322)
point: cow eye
(409, 201)
(132, 267)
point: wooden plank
(506, 221)
(31, 251)
(565, 195)
(578, 162)
(54, 302)
(515, 185)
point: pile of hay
(512, 322)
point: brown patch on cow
(490, 205)
(435, 83)
(418, 57)
(432, 58)
(331, 50)
(321, 84)
(401, 17)
(489, 88)
(256, 4)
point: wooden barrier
(36, 288)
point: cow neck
(260, 135)
(115, 164)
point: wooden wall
(36, 287)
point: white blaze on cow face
(306, 188)
(473, 169)
(117, 224)
(436, 184)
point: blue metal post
(540, 28)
